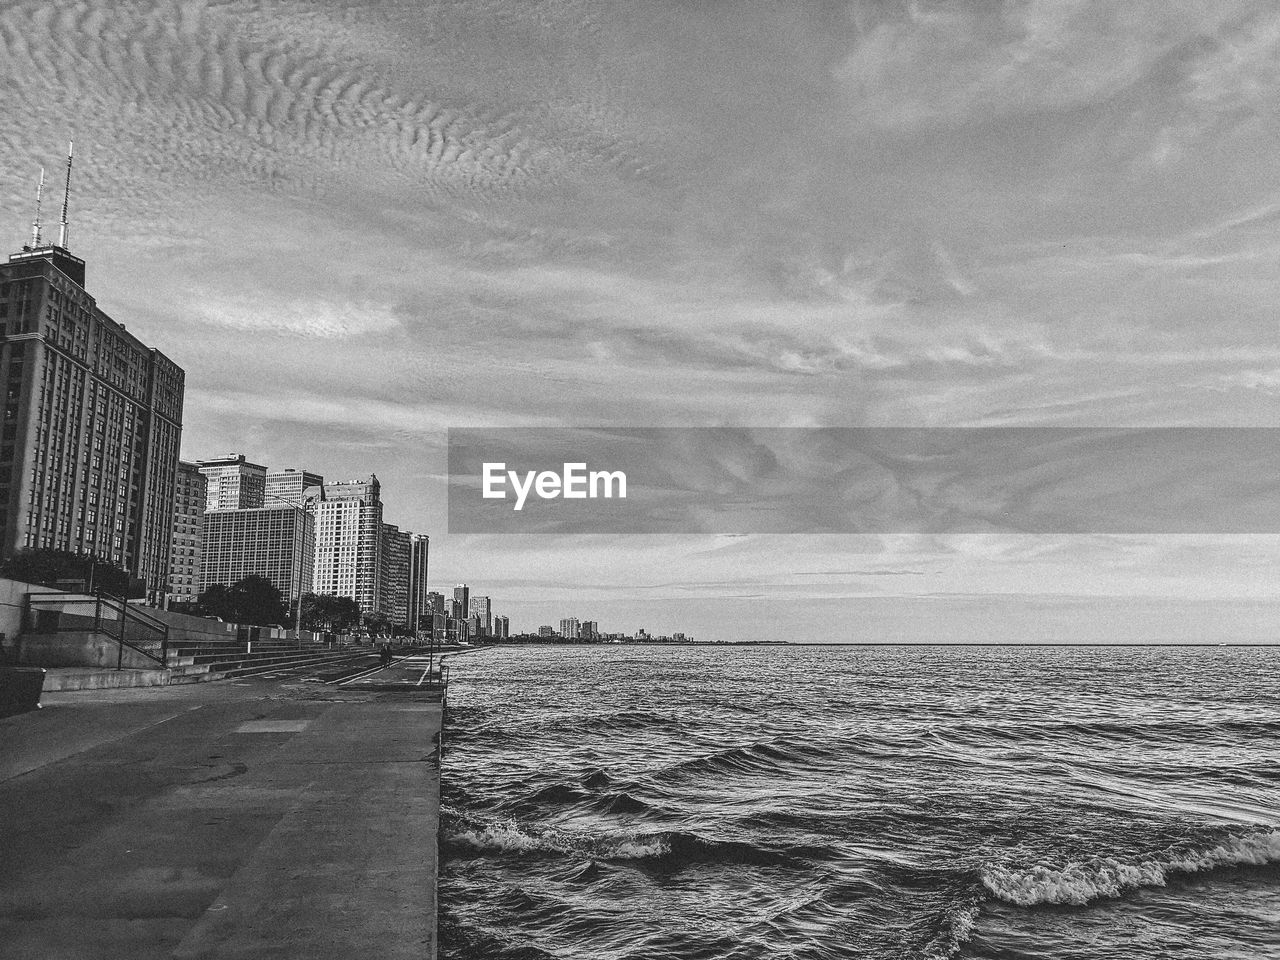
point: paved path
(222, 820)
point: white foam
(960, 924)
(637, 848)
(508, 836)
(1078, 883)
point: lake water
(1057, 803)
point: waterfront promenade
(265, 819)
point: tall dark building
(188, 535)
(260, 541)
(419, 604)
(397, 554)
(92, 422)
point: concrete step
(189, 669)
(104, 678)
(190, 650)
(207, 677)
(101, 678)
(249, 667)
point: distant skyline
(357, 225)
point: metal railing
(103, 614)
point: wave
(621, 802)
(957, 929)
(551, 794)
(764, 755)
(1098, 878)
(513, 837)
(571, 794)
(665, 849)
(1152, 730)
(614, 721)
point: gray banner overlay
(870, 480)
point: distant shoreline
(871, 643)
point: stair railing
(103, 614)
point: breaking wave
(668, 849)
(1098, 878)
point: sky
(357, 225)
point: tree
(253, 600)
(48, 567)
(328, 612)
(378, 624)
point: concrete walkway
(229, 820)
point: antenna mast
(35, 224)
(66, 195)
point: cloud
(948, 64)
(358, 224)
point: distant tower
(66, 196)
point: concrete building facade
(188, 534)
(262, 541)
(234, 483)
(91, 427)
(420, 548)
(481, 611)
(397, 555)
(289, 485)
(349, 542)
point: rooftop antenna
(66, 195)
(35, 224)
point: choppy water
(1061, 803)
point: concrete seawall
(221, 821)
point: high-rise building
(435, 626)
(348, 559)
(283, 487)
(394, 583)
(261, 541)
(546, 631)
(462, 601)
(92, 422)
(569, 628)
(234, 483)
(501, 628)
(188, 534)
(590, 630)
(420, 545)
(435, 603)
(480, 608)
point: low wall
(186, 626)
(76, 649)
(86, 648)
(13, 594)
